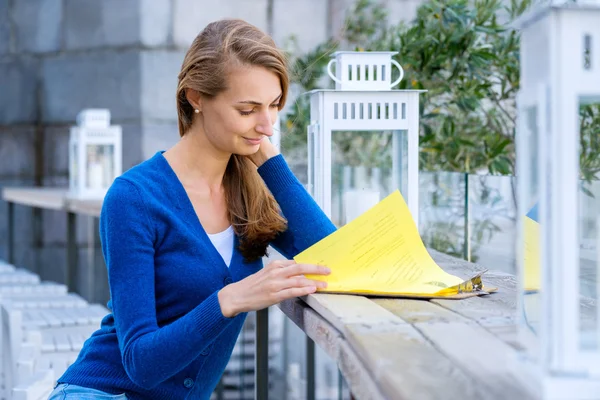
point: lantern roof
(364, 91)
(542, 7)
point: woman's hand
(265, 151)
(278, 281)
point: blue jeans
(66, 391)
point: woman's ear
(193, 97)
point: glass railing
(466, 215)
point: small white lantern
(95, 154)
(364, 100)
(560, 73)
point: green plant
(464, 57)
(589, 144)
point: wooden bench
(406, 349)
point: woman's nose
(264, 124)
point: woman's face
(236, 120)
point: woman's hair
(253, 212)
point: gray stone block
(18, 80)
(132, 145)
(155, 22)
(26, 257)
(5, 26)
(23, 220)
(54, 228)
(92, 279)
(191, 16)
(106, 79)
(38, 25)
(158, 136)
(92, 23)
(23, 229)
(52, 264)
(159, 70)
(290, 18)
(56, 150)
(17, 152)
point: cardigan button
(188, 382)
(227, 281)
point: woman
(183, 233)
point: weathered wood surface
(52, 199)
(86, 207)
(48, 198)
(407, 349)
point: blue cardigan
(166, 337)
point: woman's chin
(247, 150)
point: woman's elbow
(141, 373)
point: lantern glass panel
(74, 165)
(311, 162)
(100, 165)
(366, 167)
(589, 221)
(442, 211)
(531, 204)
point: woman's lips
(254, 141)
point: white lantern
(95, 154)
(364, 101)
(558, 209)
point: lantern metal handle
(330, 73)
(397, 81)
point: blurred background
(58, 57)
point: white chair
(10, 347)
(6, 267)
(35, 340)
(21, 276)
(38, 387)
(32, 289)
(70, 300)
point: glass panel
(589, 221)
(366, 167)
(492, 222)
(442, 211)
(528, 259)
(311, 160)
(100, 166)
(74, 166)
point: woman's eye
(242, 112)
(275, 105)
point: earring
(197, 111)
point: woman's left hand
(265, 151)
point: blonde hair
(253, 212)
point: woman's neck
(196, 161)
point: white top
(223, 242)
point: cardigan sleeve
(307, 223)
(149, 354)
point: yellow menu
(381, 253)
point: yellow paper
(531, 233)
(381, 252)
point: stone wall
(60, 56)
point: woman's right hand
(278, 281)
